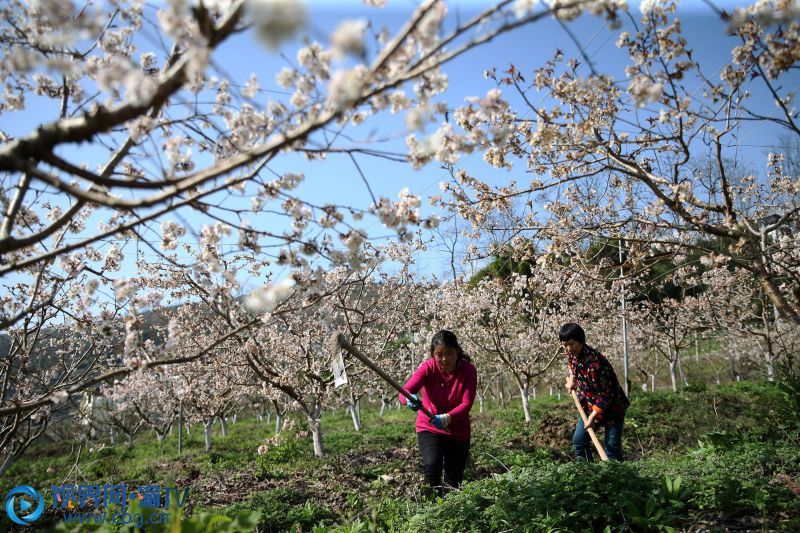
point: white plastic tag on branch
(339, 374)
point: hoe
(352, 350)
(589, 430)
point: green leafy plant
(662, 510)
(282, 509)
(652, 518)
(718, 440)
(674, 494)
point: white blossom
(523, 7)
(59, 397)
(317, 60)
(276, 21)
(170, 232)
(123, 288)
(345, 87)
(113, 259)
(429, 26)
(644, 91)
(286, 77)
(348, 39)
(265, 299)
(651, 7)
(251, 88)
(415, 118)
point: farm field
(722, 458)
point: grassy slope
(734, 447)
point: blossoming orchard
(193, 205)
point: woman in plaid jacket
(599, 392)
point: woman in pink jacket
(448, 381)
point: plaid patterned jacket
(597, 386)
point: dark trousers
(582, 444)
(438, 451)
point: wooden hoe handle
(589, 430)
(366, 360)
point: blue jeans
(583, 447)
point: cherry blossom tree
(291, 355)
(120, 413)
(672, 325)
(43, 365)
(214, 390)
(622, 159)
(144, 398)
(738, 306)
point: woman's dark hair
(572, 332)
(448, 339)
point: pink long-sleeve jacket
(445, 393)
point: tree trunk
(480, 403)
(770, 369)
(278, 422)
(652, 382)
(769, 355)
(774, 294)
(355, 417)
(208, 425)
(673, 375)
(180, 430)
(526, 406)
(223, 424)
(501, 392)
(233, 419)
(355, 413)
(113, 436)
(160, 438)
(316, 435)
(383, 406)
(680, 370)
(731, 365)
(7, 462)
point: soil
(352, 470)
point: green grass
(735, 455)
